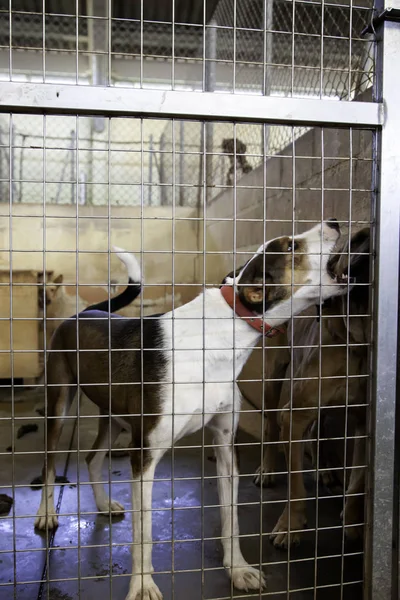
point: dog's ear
(58, 280)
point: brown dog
(329, 369)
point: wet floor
(89, 556)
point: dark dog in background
(237, 153)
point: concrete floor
(90, 559)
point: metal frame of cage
(380, 116)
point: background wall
(61, 234)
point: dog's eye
(292, 245)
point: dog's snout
(333, 224)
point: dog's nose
(333, 224)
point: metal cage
(191, 134)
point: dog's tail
(130, 293)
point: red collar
(258, 324)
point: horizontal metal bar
(44, 98)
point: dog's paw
(263, 479)
(143, 588)
(247, 578)
(111, 506)
(43, 521)
(281, 538)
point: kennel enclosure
(112, 121)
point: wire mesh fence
(88, 166)
(182, 207)
(275, 46)
(183, 250)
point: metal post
(209, 85)
(2, 153)
(379, 567)
(12, 158)
(72, 164)
(21, 168)
(267, 82)
(98, 48)
(163, 195)
(181, 163)
(151, 150)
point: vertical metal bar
(109, 365)
(77, 41)
(386, 297)
(108, 15)
(202, 240)
(291, 349)
(150, 187)
(2, 154)
(235, 266)
(173, 329)
(293, 40)
(79, 448)
(267, 70)
(264, 412)
(10, 234)
(201, 243)
(349, 80)
(210, 76)
(141, 43)
(141, 341)
(321, 64)
(49, 536)
(181, 163)
(268, 48)
(347, 398)
(73, 169)
(21, 168)
(44, 40)
(99, 35)
(320, 358)
(12, 163)
(173, 47)
(234, 44)
(163, 195)
(10, 63)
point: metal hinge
(389, 14)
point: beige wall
(78, 249)
(61, 235)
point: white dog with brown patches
(176, 373)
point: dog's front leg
(244, 576)
(142, 586)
